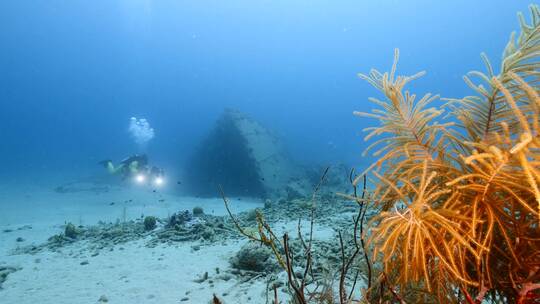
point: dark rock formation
(242, 156)
(71, 231)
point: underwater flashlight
(159, 181)
(140, 178)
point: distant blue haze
(72, 73)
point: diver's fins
(105, 163)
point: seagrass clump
(459, 194)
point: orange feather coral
(460, 203)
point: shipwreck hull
(242, 156)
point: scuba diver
(135, 167)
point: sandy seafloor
(132, 273)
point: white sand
(131, 273)
(136, 274)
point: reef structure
(242, 156)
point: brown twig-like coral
(284, 255)
(460, 203)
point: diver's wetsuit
(129, 166)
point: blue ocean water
(79, 78)
(72, 73)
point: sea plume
(459, 201)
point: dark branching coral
(460, 203)
(306, 287)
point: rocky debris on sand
(204, 228)
(255, 260)
(326, 210)
(180, 227)
(5, 271)
(25, 227)
(179, 219)
(330, 211)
